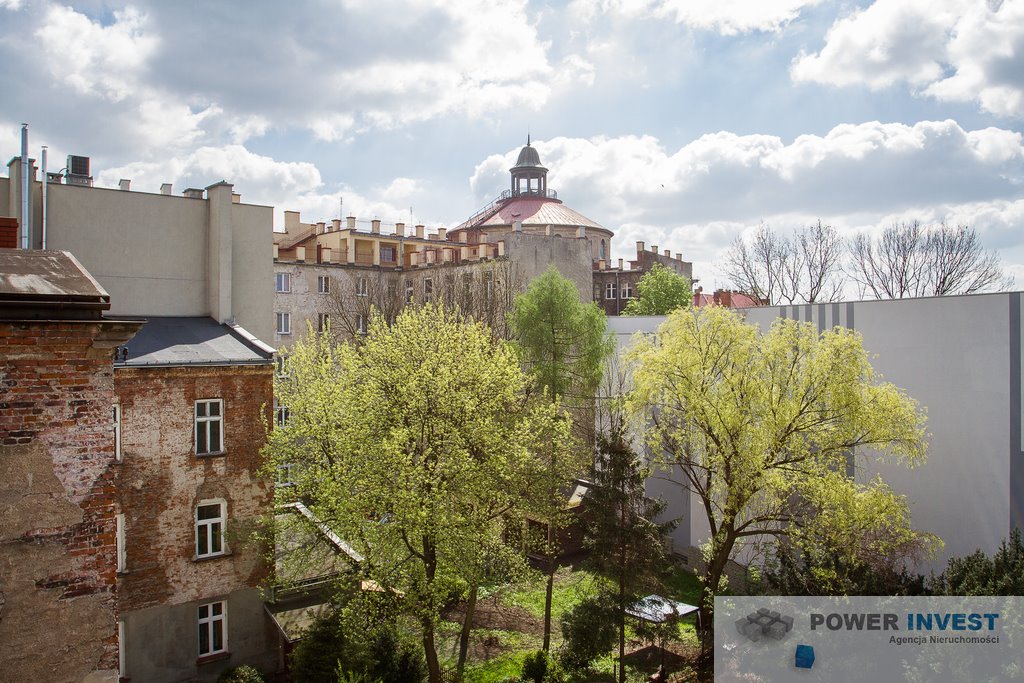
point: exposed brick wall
(57, 506)
(162, 480)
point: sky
(682, 123)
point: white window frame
(285, 474)
(206, 617)
(323, 284)
(283, 322)
(611, 291)
(117, 432)
(205, 422)
(282, 283)
(361, 326)
(627, 291)
(211, 529)
(280, 415)
(122, 550)
(362, 287)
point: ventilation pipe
(43, 217)
(24, 187)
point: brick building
(58, 471)
(193, 396)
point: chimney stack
(640, 246)
(442, 234)
(350, 222)
(400, 229)
(620, 265)
(166, 188)
(375, 226)
(419, 231)
(125, 184)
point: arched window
(600, 252)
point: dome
(528, 157)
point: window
(117, 432)
(408, 290)
(610, 290)
(601, 251)
(280, 415)
(627, 290)
(282, 365)
(323, 284)
(286, 474)
(387, 253)
(284, 323)
(213, 628)
(428, 290)
(361, 286)
(282, 282)
(209, 426)
(360, 324)
(323, 322)
(122, 555)
(488, 286)
(210, 528)
(597, 292)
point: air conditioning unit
(78, 171)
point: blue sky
(684, 123)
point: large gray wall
(959, 357)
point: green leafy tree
(588, 631)
(626, 542)
(761, 428)
(413, 448)
(659, 292)
(564, 344)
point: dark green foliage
(589, 631)
(540, 667)
(979, 574)
(350, 642)
(240, 674)
(790, 572)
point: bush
(540, 667)
(979, 574)
(240, 674)
(588, 631)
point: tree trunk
(622, 627)
(427, 620)
(433, 665)
(712, 578)
(552, 564)
(467, 626)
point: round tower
(529, 177)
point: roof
(194, 341)
(48, 284)
(538, 211)
(528, 158)
(657, 609)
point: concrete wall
(57, 502)
(959, 357)
(161, 483)
(152, 252)
(161, 644)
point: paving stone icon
(764, 623)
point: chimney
(335, 224)
(375, 226)
(193, 193)
(400, 229)
(320, 228)
(654, 248)
(639, 248)
(679, 256)
(236, 198)
(291, 222)
(620, 265)
(419, 231)
(350, 222)
(442, 234)
(668, 253)
(166, 188)
(125, 184)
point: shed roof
(194, 341)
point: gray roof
(48, 284)
(193, 341)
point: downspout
(43, 160)
(25, 227)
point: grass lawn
(510, 625)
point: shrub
(540, 667)
(240, 674)
(588, 631)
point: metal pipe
(43, 160)
(25, 227)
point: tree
(564, 344)
(805, 267)
(911, 260)
(659, 292)
(762, 428)
(979, 574)
(413, 448)
(626, 543)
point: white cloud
(952, 50)
(726, 17)
(698, 198)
